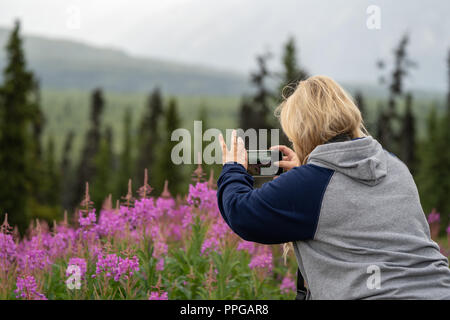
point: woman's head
(315, 112)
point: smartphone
(260, 163)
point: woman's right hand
(290, 159)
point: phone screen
(260, 162)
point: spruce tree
(87, 167)
(38, 167)
(434, 169)
(16, 114)
(125, 166)
(149, 137)
(390, 119)
(360, 103)
(408, 136)
(67, 172)
(166, 169)
(52, 176)
(255, 110)
(101, 185)
(429, 178)
(291, 74)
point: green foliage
(16, 116)
(434, 171)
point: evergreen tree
(67, 172)
(101, 181)
(434, 169)
(360, 103)
(255, 110)
(166, 169)
(87, 167)
(389, 118)
(261, 99)
(52, 176)
(149, 137)
(16, 115)
(429, 175)
(125, 166)
(408, 139)
(292, 73)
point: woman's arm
(285, 209)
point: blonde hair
(318, 110)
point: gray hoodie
(379, 230)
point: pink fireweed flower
(27, 289)
(81, 263)
(160, 265)
(448, 230)
(33, 259)
(201, 196)
(262, 261)
(175, 231)
(210, 244)
(218, 230)
(111, 223)
(160, 248)
(187, 220)
(164, 206)
(246, 246)
(89, 220)
(126, 267)
(287, 285)
(158, 296)
(434, 217)
(7, 251)
(107, 265)
(115, 267)
(145, 210)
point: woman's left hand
(237, 153)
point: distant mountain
(63, 64)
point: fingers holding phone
(290, 159)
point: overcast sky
(332, 35)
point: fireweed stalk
(144, 247)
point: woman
(350, 208)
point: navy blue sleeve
(283, 210)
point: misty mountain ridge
(68, 64)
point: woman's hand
(237, 153)
(290, 159)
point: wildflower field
(145, 248)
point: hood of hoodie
(362, 159)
